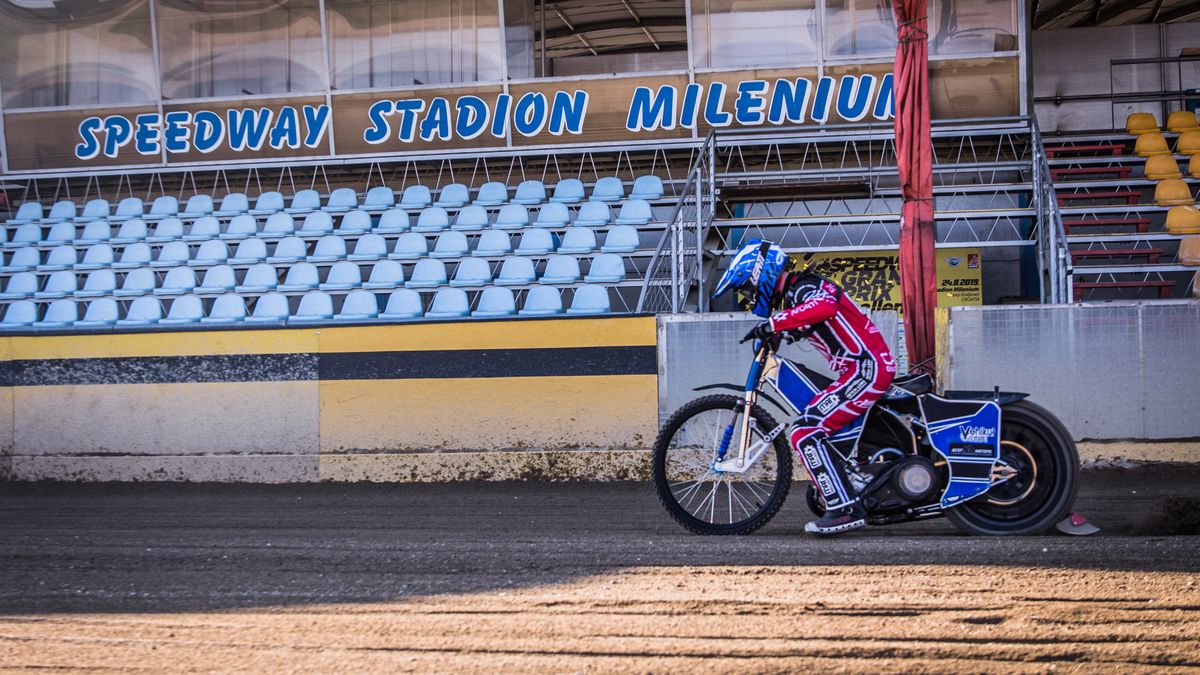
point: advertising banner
(872, 278)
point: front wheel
(707, 501)
(1038, 447)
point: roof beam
(1052, 13)
(597, 26)
(1180, 14)
(1116, 9)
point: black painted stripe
(446, 364)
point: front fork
(746, 454)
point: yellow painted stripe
(612, 332)
(164, 344)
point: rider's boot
(843, 511)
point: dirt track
(569, 577)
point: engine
(899, 484)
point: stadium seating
(228, 308)
(267, 203)
(241, 226)
(369, 247)
(279, 225)
(95, 257)
(1188, 142)
(1183, 219)
(358, 306)
(303, 202)
(568, 191)
(301, 277)
(137, 282)
(402, 304)
(260, 278)
(432, 219)
(100, 313)
(621, 239)
(98, 283)
(553, 214)
(542, 301)
(379, 198)
(416, 197)
(144, 311)
(1172, 191)
(60, 314)
(355, 222)
(1141, 123)
(271, 308)
(167, 230)
(635, 212)
(606, 268)
(27, 212)
(578, 240)
(186, 309)
(449, 303)
(495, 302)
(178, 281)
(594, 214)
(608, 189)
(328, 249)
(20, 286)
(493, 243)
(427, 273)
(20, 314)
(1194, 166)
(385, 275)
(530, 193)
(130, 231)
(471, 218)
(472, 272)
(515, 217)
(1189, 250)
(163, 207)
(211, 252)
(590, 300)
(516, 272)
(561, 269)
(232, 204)
(315, 307)
(127, 208)
(205, 227)
(450, 245)
(343, 276)
(249, 251)
(60, 233)
(1151, 143)
(393, 221)
(341, 200)
(134, 255)
(1181, 121)
(409, 246)
(95, 209)
(217, 279)
(60, 258)
(492, 194)
(28, 258)
(316, 223)
(647, 187)
(453, 196)
(61, 210)
(197, 206)
(288, 249)
(536, 242)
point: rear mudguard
(741, 389)
(1002, 398)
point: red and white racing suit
(852, 345)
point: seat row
(341, 200)
(313, 307)
(329, 248)
(394, 221)
(343, 275)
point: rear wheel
(707, 501)
(1040, 493)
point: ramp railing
(1054, 256)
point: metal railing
(678, 263)
(1054, 256)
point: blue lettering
(649, 111)
(713, 113)
(175, 133)
(408, 109)
(529, 115)
(210, 131)
(90, 147)
(437, 120)
(854, 97)
(885, 103)
(472, 117)
(500, 119)
(789, 100)
(117, 132)
(820, 111)
(287, 129)
(248, 128)
(749, 104)
(146, 135)
(380, 129)
(316, 122)
(691, 105)
(567, 112)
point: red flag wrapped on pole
(914, 157)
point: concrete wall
(451, 400)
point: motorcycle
(993, 463)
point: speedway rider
(811, 306)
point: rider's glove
(762, 331)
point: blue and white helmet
(755, 271)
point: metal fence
(1054, 257)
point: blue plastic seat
(409, 246)
(512, 217)
(219, 279)
(593, 214)
(197, 205)
(472, 272)
(453, 195)
(403, 304)
(369, 247)
(134, 255)
(427, 273)
(289, 249)
(341, 200)
(60, 314)
(242, 226)
(328, 249)
(608, 189)
(185, 310)
(100, 282)
(542, 301)
(473, 217)
(94, 233)
(385, 275)
(578, 240)
(300, 277)
(449, 303)
(553, 214)
(60, 258)
(496, 301)
(415, 197)
(316, 223)
(178, 281)
(226, 309)
(27, 212)
(568, 191)
(249, 251)
(232, 204)
(60, 233)
(20, 286)
(393, 221)
(29, 258)
(358, 306)
(20, 314)
(304, 201)
(355, 222)
(635, 212)
(203, 229)
(130, 231)
(379, 198)
(94, 210)
(270, 308)
(62, 210)
(432, 219)
(165, 206)
(493, 193)
(279, 225)
(343, 276)
(315, 306)
(211, 252)
(145, 311)
(493, 243)
(167, 229)
(95, 257)
(621, 239)
(647, 187)
(589, 300)
(516, 272)
(129, 207)
(536, 242)
(450, 245)
(101, 313)
(267, 203)
(140, 281)
(530, 193)
(260, 278)
(29, 234)
(561, 269)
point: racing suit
(852, 345)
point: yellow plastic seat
(1151, 143)
(1189, 251)
(1182, 120)
(1184, 219)
(1172, 191)
(1194, 166)
(1141, 123)
(1160, 167)
(1196, 285)
(1188, 143)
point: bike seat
(912, 384)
